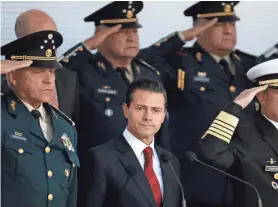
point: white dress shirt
(138, 148)
(45, 121)
(273, 122)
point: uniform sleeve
(76, 57)
(97, 182)
(162, 48)
(72, 197)
(220, 146)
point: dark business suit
(117, 178)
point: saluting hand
(199, 27)
(101, 34)
(11, 65)
(246, 96)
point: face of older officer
(33, 85)
(269, 103)
(145, 114)
(219, 39)
(121, 44)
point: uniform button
(73, 165)
(20, 150)
(49, 173)
(47, 149)
(276, 176)
(50, 197)
(202, 88)
(232, 89)
(107, 99)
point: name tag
(201, 79)
(271, 168)
(107, 91)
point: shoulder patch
(148, 66)
(63, 115)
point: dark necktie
(225, 65)
(151, 177)
(122, 72)
(36, 114)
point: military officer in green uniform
(249, 149)
(38, 142)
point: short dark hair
(145, 84)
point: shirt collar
(137, 145)
(273, 122)
(217, 58)
(41, 109)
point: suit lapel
(129, 159)
(269, 132)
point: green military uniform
(36, 172)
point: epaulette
(63, 115)
(65, 58)
(148, 66)
(244, 54)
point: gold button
(50, 197)
(49, 173)
(107, 99)
(20, 150)
(47, 149)
(202, 88)
(232, 89)
(276, 176)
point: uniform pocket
(17, 151)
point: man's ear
(261, 97)
(11, 78)
(125, 109)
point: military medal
(66, 142)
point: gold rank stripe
(228, 136)
(216, 126)
(179, 78)
(275, 81)
(216, 14)
(113, 21)
(224, 125)
(182, 80)
(217, 136)
(228, 118)
(274, 84)
(26, 57)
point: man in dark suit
(249, 150)
(131, 170)
(38, 141)
(66, 96)
(199, 81)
